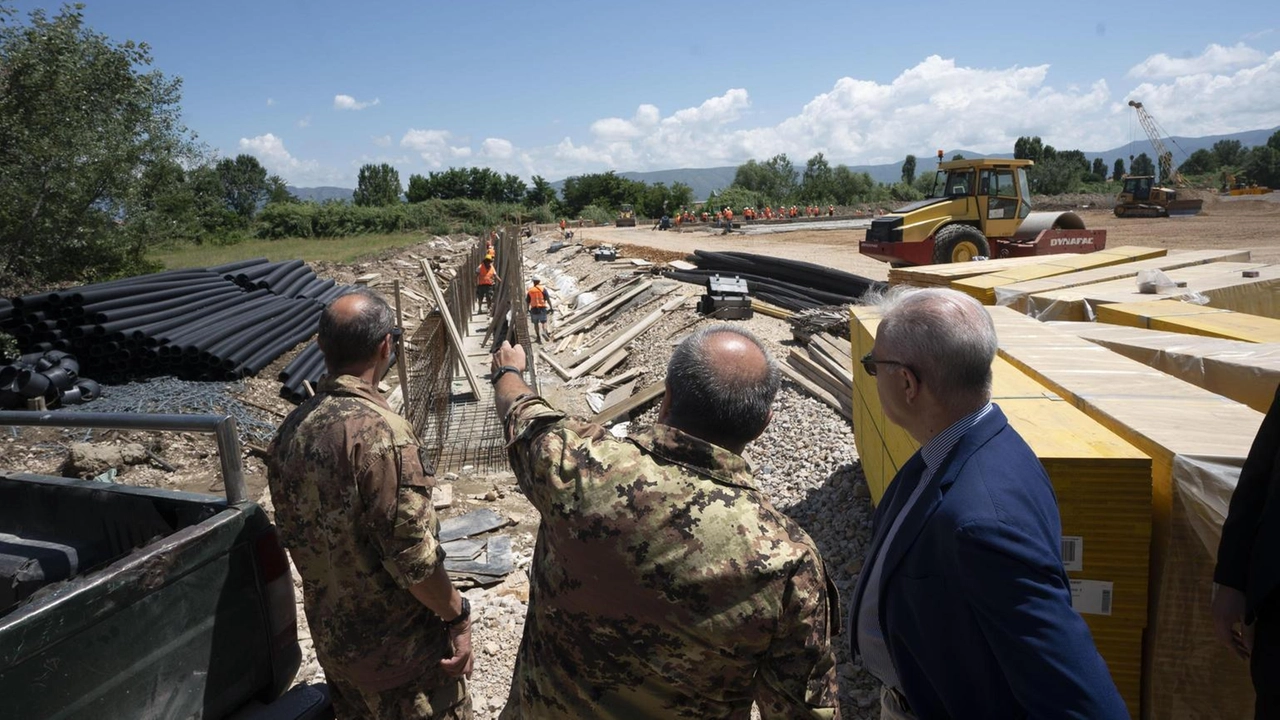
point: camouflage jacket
(353, 503)
(664, 584)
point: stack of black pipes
(309, 366)
(790, 284)
(220, 323)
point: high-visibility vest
(537, 297)
(486, 275)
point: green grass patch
(335, 250)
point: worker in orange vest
(486, 278)
(539, 307)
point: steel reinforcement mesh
(460, 432)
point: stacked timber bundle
(788, 284)
(1104, 489)
(225, 322)
(1017, 294)
(1184, 317)
(1247, 372)
(1197, 442)
(1243, 287)
(984, 287)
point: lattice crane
(1164, 158)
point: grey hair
(354, 339)
(946, 337)
(723, 405)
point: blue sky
(316, 88)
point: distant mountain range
(321, 194)
(704, 181)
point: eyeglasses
(869, 364)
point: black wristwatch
(503, 371)
(463, 616)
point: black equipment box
(726, 298)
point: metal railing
(223, 428)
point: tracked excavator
(979, 208)
(1141, 196)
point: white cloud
(346, 102)
(270, 150)
(497, 148)
(1214, 59)
(937, 104)
(271, 101)
(435, 146)
(304, 122)
(383, 141)
(1213, 104)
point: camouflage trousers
(437, 697)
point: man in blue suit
(963, 609)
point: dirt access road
(1247, 223)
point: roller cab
(979, 208)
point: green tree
(1099, 169)
(909, 170)
(774, 178)
(377, 185)
(849, 187)
(817, 185)
(1028, 148)
(419, 189)
(1199, 162)
(1118, 172)
(244, 185)
(1055, 176)
(278, 191)
(606, 190)
(540, 193)
(1262, 163)
(1142, 165)
(1228, 154)
(81, 119)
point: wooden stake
(401, 368)
(454, 338)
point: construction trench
(1141, 488)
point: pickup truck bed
(126, 602)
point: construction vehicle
(1233, 186)
(626, 217)
(979, 208)
(1141, 196)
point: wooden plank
(611, 363)
(557, 367)
(634, 331)
(771, 310)
(402, 370)
(810, 387)
(617, 380)
(635, 402)
(592, 318)
(818, 374)
(842, 375)
(370, 279)
(618, 394)
(454, 338)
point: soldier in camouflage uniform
(664, 584)
(352, 498)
